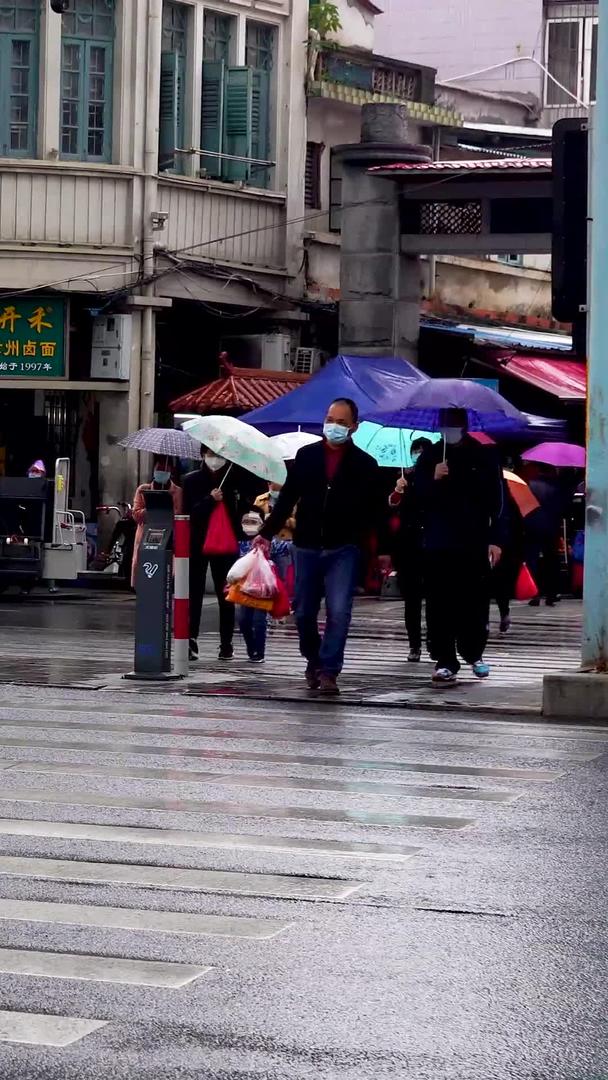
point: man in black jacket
(337, 493)
(459, 492)
(215, 482)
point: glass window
(172, 87)
(175, 27)
(217, 35)
(571, 58)
(86, 80)
(260, 46)
(18, 77)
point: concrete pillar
(380, 288)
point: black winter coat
(332, 514)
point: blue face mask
(272, 497)
(336, 434)
(162, 476)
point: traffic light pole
(595, 632)
(584, 696)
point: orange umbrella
(520, 493)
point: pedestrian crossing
(159, 881)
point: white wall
(357, 30)
(460, 36)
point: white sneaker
(444, 677)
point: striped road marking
(39, 1030)
(105, 969)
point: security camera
(59, 6)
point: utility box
(112, 344)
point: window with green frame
(172, 86)
(236, 106)
(87, 43)
(19, 29)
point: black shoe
(256, 658)
(193, 649)
(535, 602)
(414, 656)
(312, 677)
(226, 652)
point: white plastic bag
(241, 568)
(260, 580)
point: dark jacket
(466, 510)
(198, 503)
(331, 515)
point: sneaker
(505, 624)
(535, 602)
(414, 656)
(193, 649)
(328, 684)
(226, 652)
(312, 677)
(444, 677)
(481, 670)
(256, 658)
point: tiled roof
(240, 388)
(470, 165)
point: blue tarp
(372, 382)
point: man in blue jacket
(338, 493)
(459, 494)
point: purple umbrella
(422, 404)
(562, 455)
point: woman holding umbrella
(161, 481)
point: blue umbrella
(390, 446)
(422, 404)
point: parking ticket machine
(154, 582)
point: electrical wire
(517, 60)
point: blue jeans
(333, 575)
(252, 624)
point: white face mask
(251, 526)
(453, 435)
(214, 462)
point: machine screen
(154, 536)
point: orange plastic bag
(234, 595)
(525, 586)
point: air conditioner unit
(111, 349)
(306, 361)
(269, 351)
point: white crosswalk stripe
(326, 810)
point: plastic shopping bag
(220, 538)
(236, 596)
(260, 581)
(241, 568)
(280, 604)
(525, 586)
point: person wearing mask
(459, 491)
(407, 552)
(161, 481)
(338, 493)
(216, 482)
(253, 622)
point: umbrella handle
(226, 474)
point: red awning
(565, 379)
(239, 389)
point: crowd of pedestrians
(450, 528)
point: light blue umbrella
(390, 446)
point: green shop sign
(32, 338)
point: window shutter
(260, 141)
(312, 176)
(238, 121)
(171, 109)
(212, 123)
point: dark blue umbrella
(421, 406)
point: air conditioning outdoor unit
(306, 361)
(269, 351)
(111, 348)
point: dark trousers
(504, 580)
(253, 624)
(543, 559)
(457, 606)
(411, 587)
(219, 566)
(333, 575)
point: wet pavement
(217, 889)
(85, 639)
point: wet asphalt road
(213, 888)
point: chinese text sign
(32, 338)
